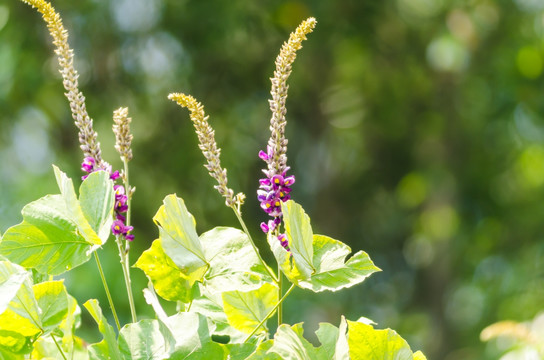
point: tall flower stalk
(123, 197)
(275, 188)
(90, 146)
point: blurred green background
(416, 133)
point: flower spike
(121, 129)
(206, 138)
(276, 187)
(87, 136)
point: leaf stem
(58, 347)
(269, 315)
(270, 272)
(107, 290)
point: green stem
(269, 315)
(107, 290)
(239, 216)
(280, 307)
(124, 250)
(58, 347)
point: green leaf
(107, 348)
(239, 351)
(367, 343)
(74, 208)
(47, 239)
(261, 353)
(245, 310)
(290, 344)
(419, 356)
(327, 268)
(211, 306)
(193, 341)
(97, 198)
(233, 262)
(179, 239)
(11, 278)
(332, 271)
(299, 233)
(8, 355)
(53, 302)
(22, 314)
(169, 281)
(144, 340)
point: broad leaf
(211, 306)
(299, 233)
(22, 313)
(107, 348)
(367, 343)
(11, 278)
(193, 340)
(169, 281)
(327, 268)
(97, 198)
(261, 353)
(47, 239)
(290, 344)
(332, 271)
(179, 239)
(233, 262)
(144, 340)
(53, 302)
(74, 207)
(246, 310)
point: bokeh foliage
(416, 133)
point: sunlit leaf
(211, 306)
(169, 281)
(96, 197)
(144, 340)
(22, 315)
(290, 344)
(261, 353)
(327, 268)
(245, 310)
(53, 302)
(179, 239)
(107, 348)
(367, 343)
(193, 340)
(12, 277)
(299, 233)
(233, 262)
(332, 271)
(73, 206)
(47, 239)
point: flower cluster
(120, 208)
(273, 190)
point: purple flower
(118, 227)
(88, 164)
(283, 241)
(129, 237)
(115, 175)
(273, 190)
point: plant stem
(107, 290)
(269, 315)
(280, 307)
(124, 250)
(239, 216)
(58, 346)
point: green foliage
(317, 262)
(58, 231)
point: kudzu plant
(225, 292)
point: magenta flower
(88, 164)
